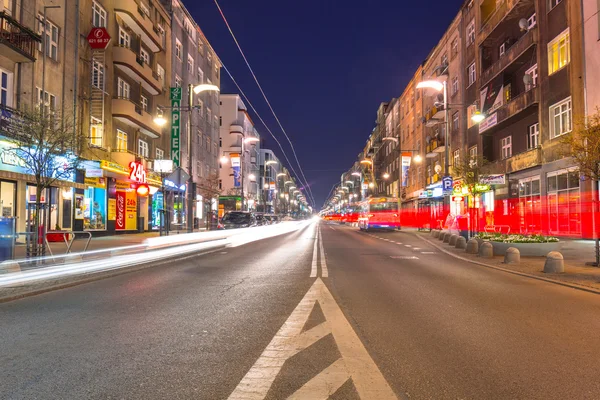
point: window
(454, 48)
(553, 3)
(199, 169)
(564, 201)
(49, 35)
(220, 120)
(143, 8)
(533, 72)
(215, 148)
(6, 83)
(506, 147)
(560, 118)
(207, 143)
(201, 47)
(97, 75)
(143, 148)
(531, 21)
(472, 72)
(200, 76)
(96, 132)
(160, 154)
(98, 15)
(473, 154)
(471, 33)
(456, 157)
(46, 100)
(160, 71)
(444, 60)
(455, 85)
(124, 38)
(144, 56)
(122, 89)
(559, 52)
(144, 102)
(208, 114)
(190, 64)
(455, 121)
(121, 140)
(177, 81)
(533, 136)
(200, 106)
(178, 49)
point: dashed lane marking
(428, 252)
(355, 362)
(324, 270)
(405, 257)
(407, 245)
(313, 269)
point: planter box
(527, 249)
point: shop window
(564, 202)
(8, 193)
(6, 83)
(94, 208)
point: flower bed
(528, 245)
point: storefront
(564, 202)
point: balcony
(512, 54)
(132, 114)
(507, 9)
(236, 129)
(136, 18)
(434, 147)
(527, 159)
(517, 104)
(132, 65)
(17, 42)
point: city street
(382, 315)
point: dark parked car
(237, 219)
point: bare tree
(470, 169)
(209, 189)
(44, 144)
(583, 146)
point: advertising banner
(112, 209)
(120, 217)
(492, 95)
(131, 210)
(498, 179)
(175, 124)
(235, 164)
(406, 157)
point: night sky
(325, 66)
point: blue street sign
(447, 183)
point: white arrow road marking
(313, 269)
(324, 270)
(355, 362)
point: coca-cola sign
(120, 221)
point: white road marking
(324, 270)
(398, 242)
(355, 362)
(313, 269)
(428, 252)
(416, 248)
(407, 245)
(405, 257)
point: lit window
(533, 136)
(560, 118)
(506, 147)
(559, 52)
(121, 140)
(96, 132)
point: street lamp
(356, 174)
(477, 117)
(160, 120)
(441, 87)
(251, 140)
(386, 175)
(224, 159)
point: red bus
(379, 213)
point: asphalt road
(377, 319)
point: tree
(209, 189)
(470, 170)
(45, 145)
(583, 146)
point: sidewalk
(575, 252)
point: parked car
(238, 219)
(261, 219)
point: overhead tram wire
(266, 99)
(262, 121)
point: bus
(350, 215)
(379, 213)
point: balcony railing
(16, 41)
(512, 54)
(496, 17)
(434, 147)
(527, 159)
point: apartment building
(270, 167)
(239, 155)
(194, 62)
(591, 38)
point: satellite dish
(428, 139)
(527, 79)
(523, 24)
(437, 168)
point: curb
(524, 274)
